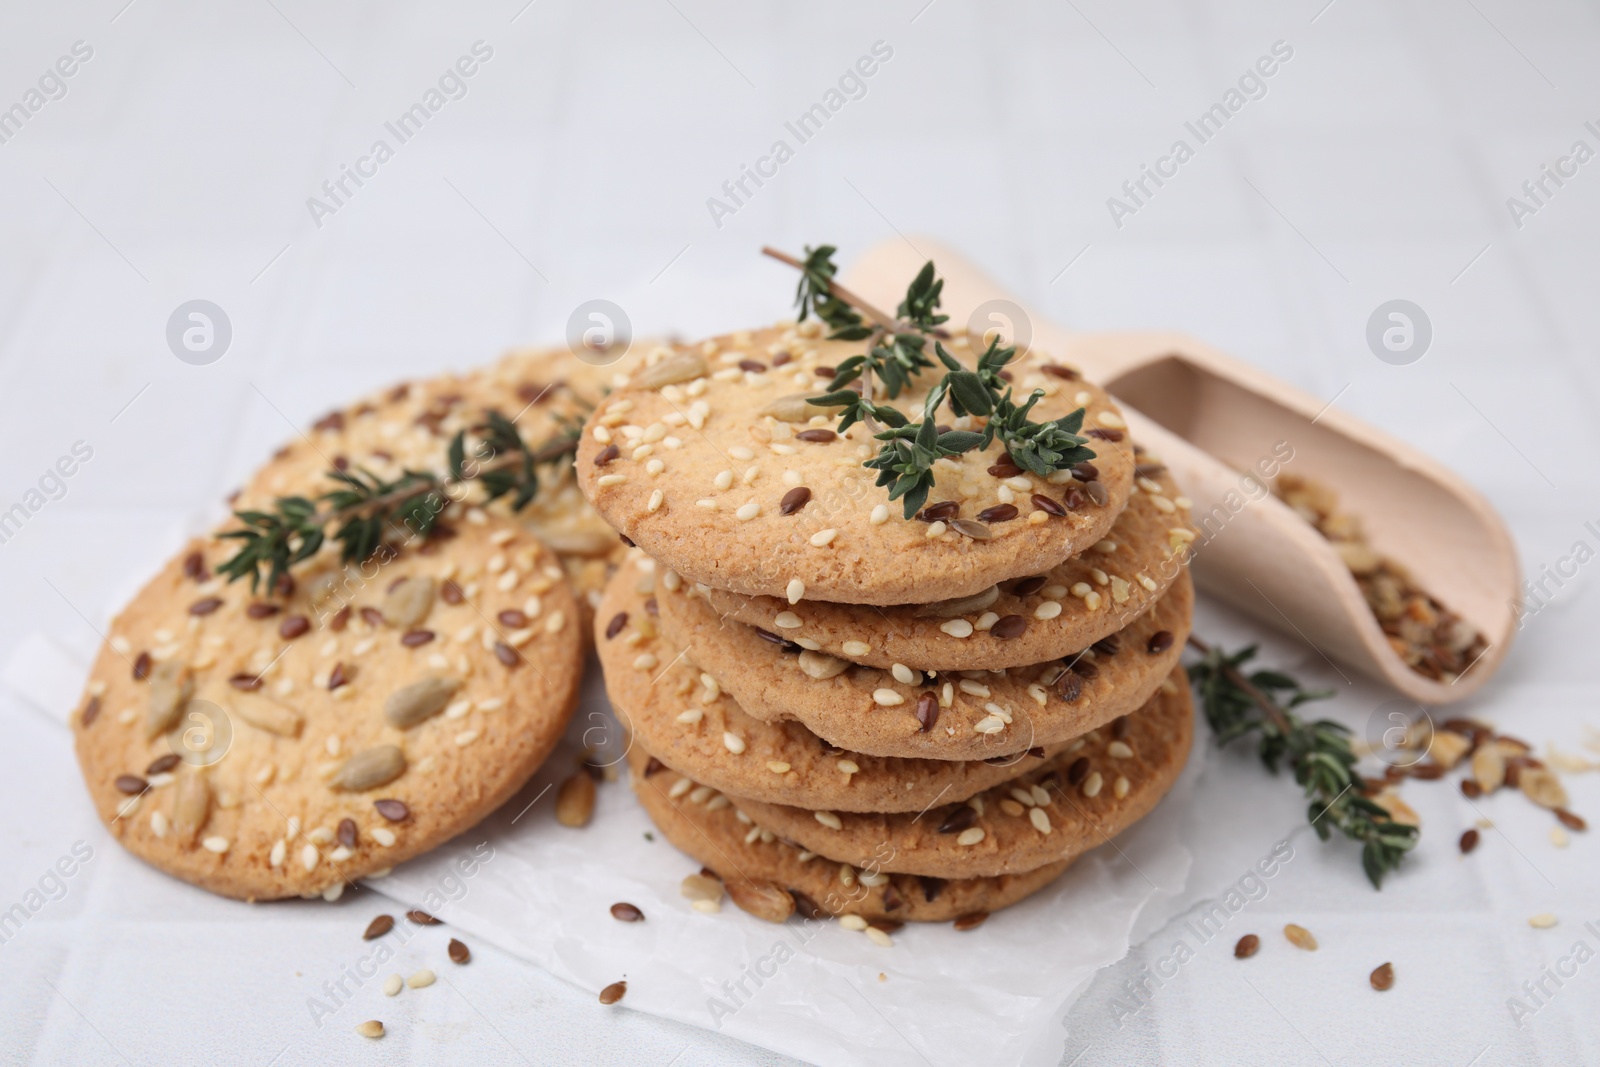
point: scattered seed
(764, 900)
(372, 1028)
(422, 918)
(1382, 978)
(1469, 841)
(392, 985)
(970, 921)
(378, 927)
(575, 801)
(421, 979)
(626, 913)
(1543, 921)
(613, 992)
(1247, 946)
(1570, 820)
(458, 952)
(1300, 937)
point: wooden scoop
(1226, 430)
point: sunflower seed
(191, 805)
(764, 900)
(575, 801)
(266, 714)
(170, 689)
(369, 769)
(419, 701)
(408, 603)
(1300, 937)
(679, 367)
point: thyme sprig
(898, 351)
(1317, 752)
(362, 510)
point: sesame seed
(707, 502)
(957, 628)
(276, 856)
(1041, 821)
(856, 648)
(392, 985)
(466, 737)
(849, 766)
(1163, 504)
(309, 857)
(1093, 601)
(787, 620)
(421, 979)
(1047, 610)
(1119, 750)
(1105, 546)
(991, 724)
(887, 698)
(1022, 796)
(382, 835)
(936, 529)
(829, 819)
(1111, 419)
(656, 497)
(880, 515)
(1091, 785)
(1011, 807)
(723, 480)
(748, 511)
(680, 787)
(645, 661)
(1040, 695)
(1148, 582)
(974, 689)
(823, 538)
(795, 590)
(853, 922)
(692, 716)
(1119, 788)
(733, 742)
(1543, 921)
(986, 621)
(971, 835)
(777, 766)
(219, 845)
(878, 937)
(903, 674)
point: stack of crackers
(842, 710)
(291, 737)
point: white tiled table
(578, 164)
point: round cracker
(713, 834)
(653, 689)
(409, 426)
(255, 750)
(1101, 784)
(768, 680)
(686, 458)
(1087, 597)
